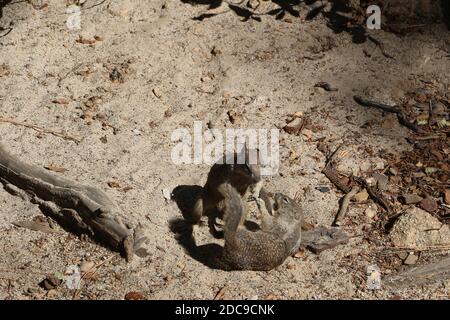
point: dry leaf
(54, 168)
(134, 296)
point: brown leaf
(134, 295)
(60, 101)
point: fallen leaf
(60, 101)
(134, 296)
(447, 196)
(41, 225)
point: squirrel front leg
(266, 217)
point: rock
(157, 92)
(253, 4)
(87, 266)
(411, 198)
(393, 171)
(428, 204)
(403, 255)
(411, 259)
(417, 228)
(361, 196)
(371, 212)
(447, 196)
(382, 180)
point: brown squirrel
(265, 249)
(244, 177)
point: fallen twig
(85, 209)
(392, 109)
(381, 46)
(40, 129)
(344, 206)
(429, 273)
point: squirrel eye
(285, 200)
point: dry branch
(84, 209)
(39, 129)
(421, 275)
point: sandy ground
(199, 70)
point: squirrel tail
(232, 210)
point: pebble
(371, 212)
(411, 198)
(361, 196)
(411, 259)
(428, 204)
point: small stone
(323, 189)
(253, 4)
(371, 212)
(294, 126)
(411, 259)
(167, 194)
(428, 204)
(361, 196)
(403, 255)
(157, 92)
(87, 266)
(447, 196)
(411, 198)
(115, 76)
(393, 171)
(234, 117)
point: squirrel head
(284, 204)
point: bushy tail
(232, 210)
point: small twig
(392, 109)
(344, 206)
(219, 295)
(95, 5)
(381, 46)
(41, 130)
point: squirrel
(265, 249)
(244, 177)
